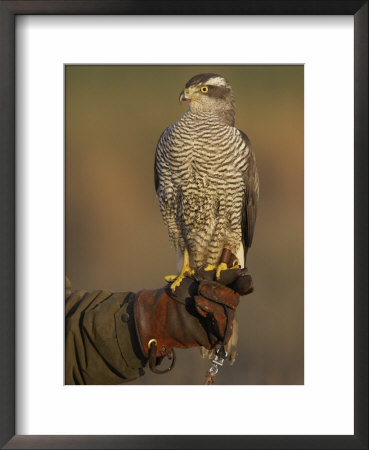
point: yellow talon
(186, 271)
(177, 282)
(180, 277)
(169, 278)
(221, 266)
(209, 267)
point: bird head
(209, 92)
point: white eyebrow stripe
(217, 81)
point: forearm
(101, 340)
(108, 334)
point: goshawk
(206, 179)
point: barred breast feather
(207, 187)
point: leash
(220, 355)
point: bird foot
(170, 278)
(177, 279)
(177, 282)
(222, 266)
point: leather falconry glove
(200, 312)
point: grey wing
(165, 189)
(251, 198)
(156, 163)
(156, 173)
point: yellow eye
(204, 89)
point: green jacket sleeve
(101, 341)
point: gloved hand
(200, 312)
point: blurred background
(115, 236)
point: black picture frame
(8, 12)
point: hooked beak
(183, 96)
